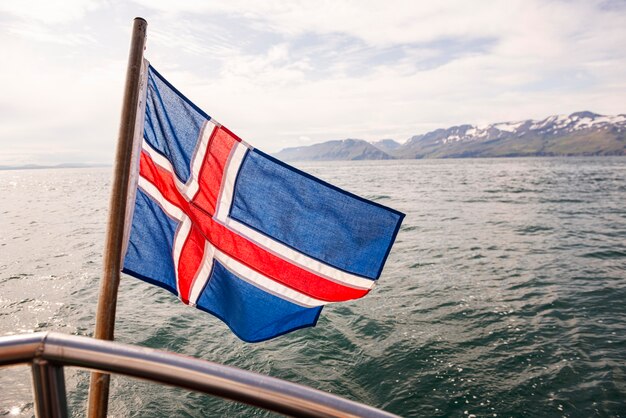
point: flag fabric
(236, 233)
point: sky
(291, 73)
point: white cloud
(42, 33)
(283, 73)
(49, 11)
(373, 21)
(60, 98)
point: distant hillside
(387, 145)
(39, 167)
(347, 149)
(581, 133)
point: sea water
(504, 295)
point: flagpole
(107, 301)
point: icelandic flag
(238, 234)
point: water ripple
(504, 294)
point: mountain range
(581, 133)
(39, 167)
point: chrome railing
(49, 352)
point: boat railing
(49, 352)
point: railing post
(49, 389)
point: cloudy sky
(289, 73)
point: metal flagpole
(105, 317)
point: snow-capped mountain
(581, 133)
(553, 125)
